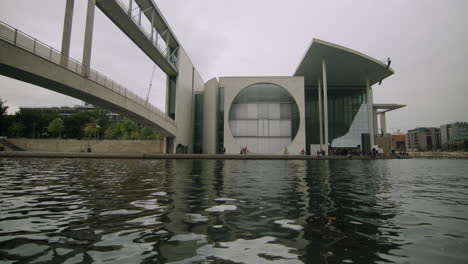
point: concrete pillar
(383, 123)
(320, 113)
(370, 119)
(325, 104)
(164, 145)
(376, 124)
(88, 41)
(67, 28)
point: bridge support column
(164, 145)
(376, 124)
(370, 113)
(325, 104)
(67, 27)
(88, 37)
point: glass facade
(264, 118)
(345, 112)
(198, 124)
(220, 122)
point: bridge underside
(28, 67)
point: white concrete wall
(232, 87)
(185, 99)
(210, 116)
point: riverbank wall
(439, 155)
(98, 146)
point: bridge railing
(39, 48)
(172, 58)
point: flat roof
(345, 67)
(387, 107)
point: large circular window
(264, 118)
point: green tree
(56, 127)
(91, 129)
(128, 129)
(148, 133)
(3, 113)
(112, 131)
(16, 129)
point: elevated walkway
(25, 58)
(122, 16)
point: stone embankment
(440, 155)
(73, 145)
(29, 154)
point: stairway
(7, 144)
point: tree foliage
(91, 124)
(56, 127)
(91, 129)
(16, 129)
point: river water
(233, 211)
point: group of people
(243, 150)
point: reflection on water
(194, 211)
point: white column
(67, 27)
(383, 123)
(370, 113)
(88, 36)
(376, 124)
(320, 113)
(325, 104)
(164, 145)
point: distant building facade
(454, 136)
(423, 139)
(398, 141)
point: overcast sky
(426, 40)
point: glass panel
(274, 111)
(285, 111)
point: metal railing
(31, 44)
(172, 58)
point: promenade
(29, 154)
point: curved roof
(345, 67)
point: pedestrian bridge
(27, 59)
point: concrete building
(454, 136)
(327, 103)
(423, 139)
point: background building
(454, 136)
(423, 139)
(67, 111)
(398, 141)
